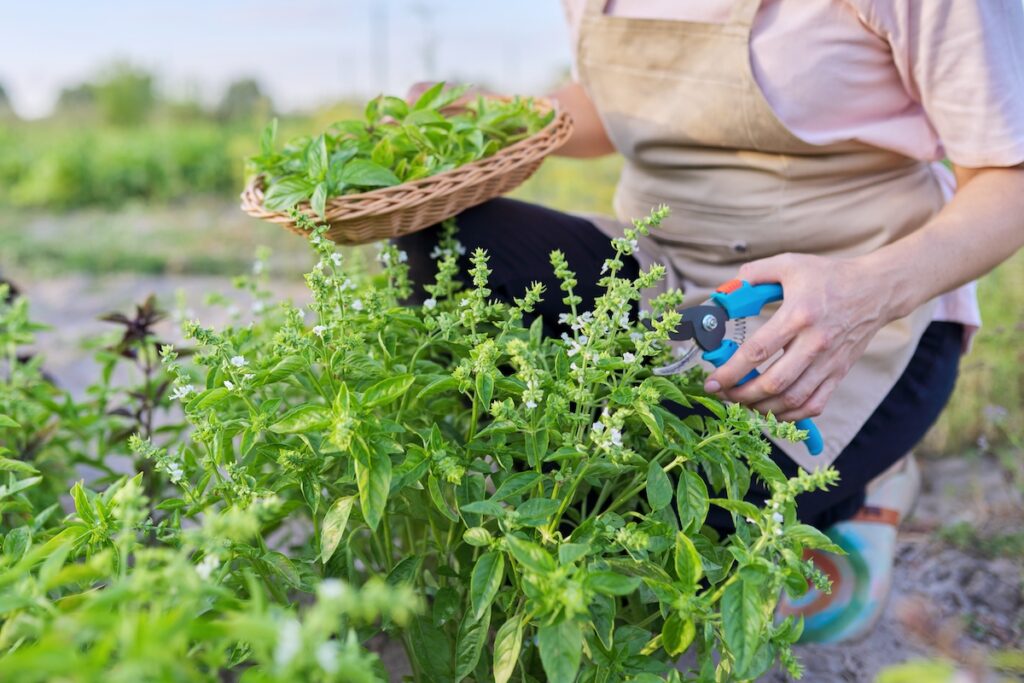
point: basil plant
(504, 504)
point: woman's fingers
(761, 346)
(815, 404)
(788, 383)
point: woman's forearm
(589, 138)
(981, 226)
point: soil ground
(949, 601)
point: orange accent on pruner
(729, 287)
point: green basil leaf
(469, 643)
(514, 485)
(659, 487)
(537, 511)
(284, 193)
(687, 563)
(691, 501)
(487, 576)
(318, 202)
(561, 648)
(406, 571)
(365, 173)
(809, 537)
(507, 644)
(387, 390)
(431, 649)
(267, 138)
(316, 159)
(677, 634)
(610, 583)
(9, 465)
(374, 482)
(334, 525)
(530, 555)
(742, 621)
(302, 420)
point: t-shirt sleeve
(963, 61)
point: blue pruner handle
(740, 299)
(718, 357)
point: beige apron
(680, 102)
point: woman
(796, 141)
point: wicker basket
(394, 211)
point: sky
(304, 52)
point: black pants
(519, 237)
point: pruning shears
(706, 325)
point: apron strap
(595, 8)
(743, 13)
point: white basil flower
(429, 304)
(319, 330)
(402, 257)
(331, 589)
(530, 405)
(616, 437)
(777, 517)
(206, 567)
(175, 471)
(336, 258)
(182, 391)
(229, 384)
(239, 361)
(598, 427)
(357, 304)
(327, 656)
(628, 357)
(289, 642)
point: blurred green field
(161, 199)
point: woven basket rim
(252, 195)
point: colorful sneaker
(862, 578)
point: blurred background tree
(125, 95)
(6, 112)
(244, 101)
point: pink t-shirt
(930, 79)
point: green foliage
(125, 95)
(394, 143)
(503, 503)
(244, 100)
(63, 169)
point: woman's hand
(832, 309)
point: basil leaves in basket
(394, 143)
